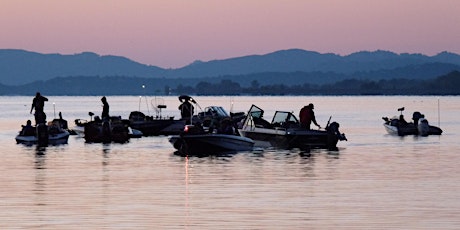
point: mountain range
(19, 67)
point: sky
(175, 33)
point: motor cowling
(333, 128)
(423, 127)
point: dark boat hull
(410, 129)
(158, 127)
(106, 132)
(210, 144)
(289, 139)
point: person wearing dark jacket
(307, 116)
(186, 109)
(105, 109)
(38, 104)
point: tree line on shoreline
(444, 85)
(448, 84)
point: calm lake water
(374, 181)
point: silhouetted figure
(416, 116)
(28, 129)
(62, 122)
(38, 104)
(307, 116)
(186, 109)
(226, 127)
(105, 109)
(402, 121)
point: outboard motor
(423, 127)
(333, 128)
(334, 135)
(416, 116)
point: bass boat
(420, 126)
(194, 141)
(105, 131)
(43, 135)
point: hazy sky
(174, 33)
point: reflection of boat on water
(43, 135)
(420, 126)
(285, 132)
(194, 141)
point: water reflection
(186, 205)
(373, 181)
(40, 156)
(105, 154)
(40, 183)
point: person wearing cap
(307, 116)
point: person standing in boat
(307, 116)
(105, 109)
(186, 109)
(38, 104)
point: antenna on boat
(439, 114)
(231, 105)
(54, 108)
(140, 99)
(146, 101)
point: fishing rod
(328, 121)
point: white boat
(284, 131)
(43, 135)
(79, 127)
(420, 126)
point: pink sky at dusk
(174, 33)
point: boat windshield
(217, 110)
(256, 112)
(281, 117)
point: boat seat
(261, 123)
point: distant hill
(307, 61)
(18, 67)
(22, 67)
